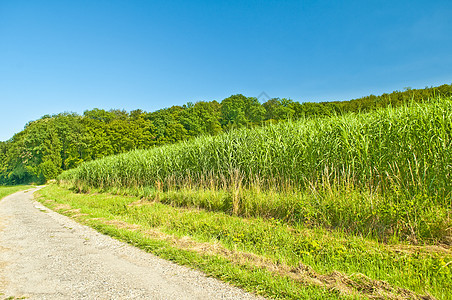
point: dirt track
(44, 255)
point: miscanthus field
(351, 206)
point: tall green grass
(388, 169)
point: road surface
(44, 255)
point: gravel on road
(45, 255)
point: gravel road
(44, 255)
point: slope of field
(347, 206)
(385, 174)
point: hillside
(52, 144)
(354, 205)
(395, 160)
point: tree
(201, 118)
(238, 110)
(279, 109)
(35, 154)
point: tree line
(52, 144)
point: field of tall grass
(384, 174)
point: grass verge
(265, 256)
(8, 190)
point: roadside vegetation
(265, 256)
(355, 205)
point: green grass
(358, 205)
(263, 255)
(384, 173)
(8, 190)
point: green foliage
(27, 156)
(68, 139)
(201, 118)
(279, 109)
(402, 155)
(238, 111)
(48, 170)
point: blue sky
(58, 56)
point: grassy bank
(266, 256)
(8, 190)
(384, 174)
(355, 206)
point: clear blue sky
(58, 56)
